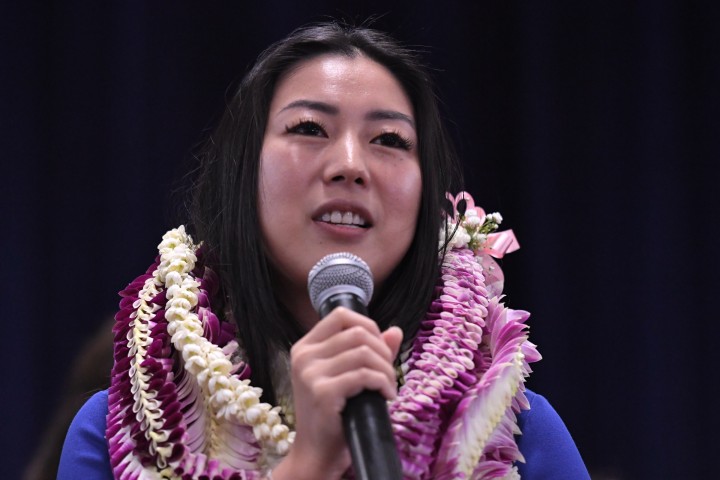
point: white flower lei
(231, 399)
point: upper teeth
(345, 218)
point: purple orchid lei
(181, 404)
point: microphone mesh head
(340, 269)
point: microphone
(344, 280)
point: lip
(343, 206)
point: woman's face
(339, 169)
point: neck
(300, 307)
(296, 301)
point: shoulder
(541, 414)
(85, 451)
(546, 444)
(95, 409)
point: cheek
(280, 184)
(273, 178)
(274, 187)
(405, 190)
(275, 195)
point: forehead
(339, 79)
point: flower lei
(181, 405)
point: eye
(310, 128)
(393, 140)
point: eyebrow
(312, 105)
(332, 110)
(389, 115)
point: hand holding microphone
(344, 280)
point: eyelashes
(315, 128)
(393, 139)
(308, 127)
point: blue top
(546, 444)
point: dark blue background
(592, 126)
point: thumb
(393, 337)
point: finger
(341, 342)
(338, 320)
(393, 338)
(351, 361)
(339, 388)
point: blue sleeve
(549, 450)
(85, 452)
(546, 444)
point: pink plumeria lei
(181, 404)
(455, 415)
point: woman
(333, 142)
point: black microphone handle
(366, 424)
(366, 421)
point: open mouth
(346, 219)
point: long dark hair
(224, 205)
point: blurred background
(591, 126)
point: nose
(346, 162)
